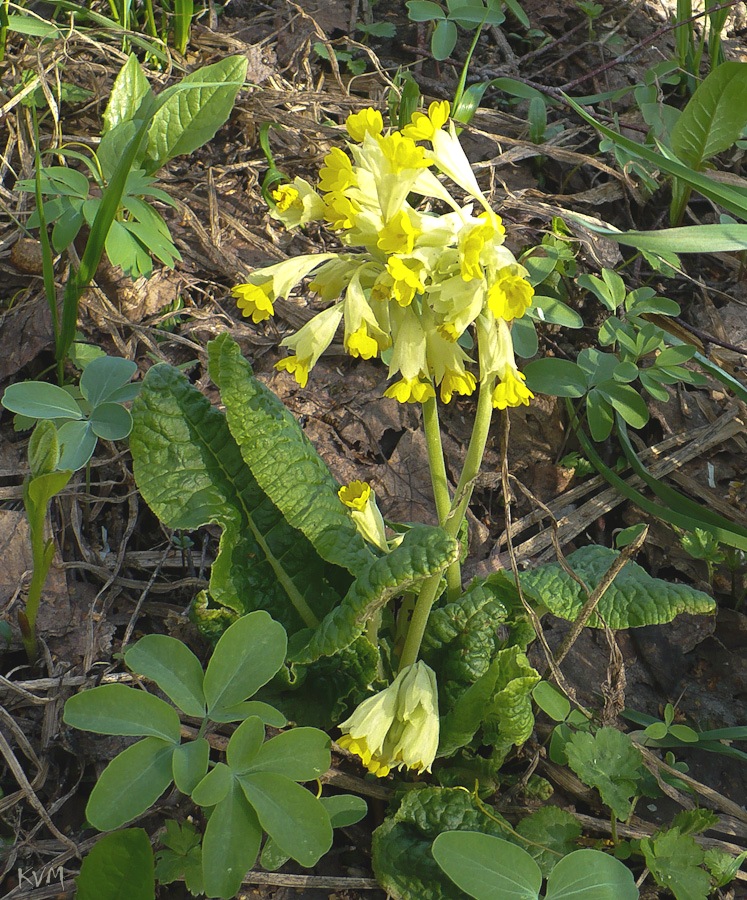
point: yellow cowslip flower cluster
(409, 279)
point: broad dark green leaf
(556, 377)
(633, 599)
(283, 460)
(486, 867)
(424, 551)
(189, 470)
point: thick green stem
(439, 480)
(452, 523)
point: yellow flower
(406, 275)
(285, 196)
(337, 172)
(457, 383)
(398, 727)
(511, 391)
(340, 211)
(510, 294)
(402, 153)
(367, 121)
(355, 495)
(361, 501)
(410, 390)
(255, 300)
(472, 242)
(298, 368)
(399, 234)
(360, 344)
(422, 127)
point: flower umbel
(398, 727)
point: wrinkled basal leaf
(461, 640)
(632, 600)
(550, 834)
(402, 858)
(424, 551)
(190, 472)
(283, 460)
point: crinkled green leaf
(424, 551)
(461, 640)
(325, 692)
(551, 833)
(402, 858)
(632, 600)
(674, 860)
(609, 762)
(283, 460)
(508, 718)
(190, 471)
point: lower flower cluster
(410, 281)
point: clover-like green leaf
(173, 667)
(118, 709)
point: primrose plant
(384, 641)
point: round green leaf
(556, 377)
(130, 784)
(190, 764)
(301, 754)
(173, 667)
(118, 709)
(626, 401)
(123, 851)
(39, 400)
(486, 867)
(246, 657)
(344, 809)
(444, 39)
(77, 443)
(245, 744)
(214, 787)
(423, 11)
(551, 701)
(111, 421)
(555, 312)
(524, 337)
(291, 815)
(591, 875)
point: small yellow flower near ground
(298, 368)
(410, 390)
(337, 172)
(511, 391)
(367, 121)
(255, 300)
(398, 727)
(510, 295)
